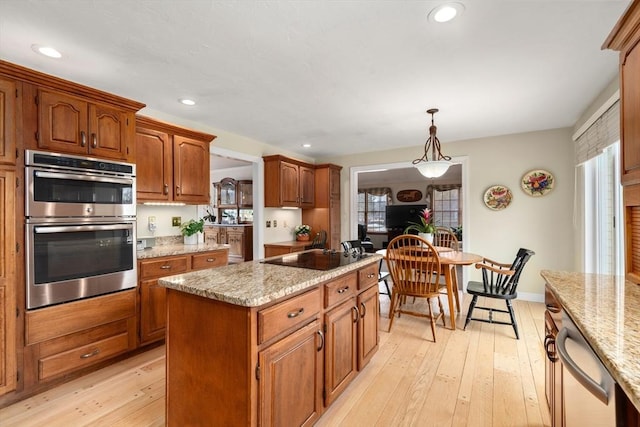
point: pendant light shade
(438, 164)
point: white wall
(286, 220)
(163, 216)
(543, 224)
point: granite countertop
(177, 249)
(606, 309)
(253, 283)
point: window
(372, 205)
(446, 204)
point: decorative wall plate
(537, 182)
(409, 195)
(497, 197)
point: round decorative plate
(537, 182)
(497, 197)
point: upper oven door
(59, 193)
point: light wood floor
(479, 377)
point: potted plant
(302, 232)
(190, 230)
(425, 227)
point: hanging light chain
(432, 142)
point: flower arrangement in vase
(302, 232)
(190, 230)
(425, 227)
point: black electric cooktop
(317, 259)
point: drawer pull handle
(343, 290)
(357, 313)
(321, 341)
(88, 355)
(166, 189)
(210, 259)
(371, 275)
(166, 267)
(553, 308)
(293, 314)
(94, 140)
(83, 139)
(363, 310)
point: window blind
(601, 134)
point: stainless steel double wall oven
(80, 227)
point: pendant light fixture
(438, 164)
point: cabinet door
(630, 88)
(228, 193)
(154, 180)
(108, 132)
(291, 379)
(245, 194)
(289, 184)
(7, 121)
(368, 325)
(236, 243)
(190, 170)
(334, 183)
(307, 187)
(62, 123)
(7, 283)
(153, 311)
(340, 349)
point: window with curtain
(446, 204)
(599, 195)
(372, 205)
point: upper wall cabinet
(77, 126)
(288, 183)
(172, 163)
(8, 97)
(61, 116)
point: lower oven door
(66, 262)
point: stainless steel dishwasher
(588, 390)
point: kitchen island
(606, 310)
(262, 344)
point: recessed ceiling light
(306, 145)
(187, 101)
(446, 12)
(46, 51)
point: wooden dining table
(449, 259)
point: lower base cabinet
(268, 365)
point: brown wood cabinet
(270, 362)
(8, 282)
(238, 237)
(66, 338)
(288, 183)
(75, 125)
(625, 37)
(172, 163)
(8, 105)
(153, 297)
(326, 212)
(283, 248)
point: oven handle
(76, 228)
(78, 177)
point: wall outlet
(152, 223)
(275, 222)
(284, 224)
(268, 224)
(176, 221)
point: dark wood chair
(320, 240)
(411, 261)
(499, 281)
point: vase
(427, 236)
(191, 240)
(302, 237)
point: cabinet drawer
(235, 230)
(208, 260)
(163, 267)
(82, 356)
(340, 289)
(288, 314)
(367, 276)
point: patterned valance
(379, 191)
(443, 187)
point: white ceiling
(346, 76)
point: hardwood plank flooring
(479, 377)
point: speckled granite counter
(177, 249)
(606, 309)
(251, 284)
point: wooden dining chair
(499, 281)
(414, 264)
(444, 236)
